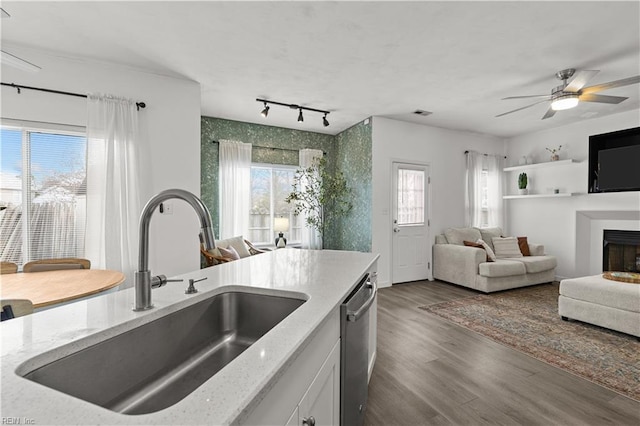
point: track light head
(266, 103)
(265, 111)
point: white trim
(39, 126)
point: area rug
(527, 320)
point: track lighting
(265, 111)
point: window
(42, 192)
(484, 199)
(270, 185)
(410, 196)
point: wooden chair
(8, 268)
(13, 308)
(56, 264)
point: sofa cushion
(506, 247)
(489, 233)
(535, 264)
(502, 268)
(459, 235)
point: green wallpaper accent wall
(272, 145)
(354, 160)
(349, 151)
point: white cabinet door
(321, 403)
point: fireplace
(621, 251)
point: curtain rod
(272, 148)
(19, 87)
(486, 155)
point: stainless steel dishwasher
(354, 359)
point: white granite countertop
(323, 277)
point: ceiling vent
(422, 112)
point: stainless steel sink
(153, 366)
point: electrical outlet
(166, 208)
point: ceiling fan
(568, 95)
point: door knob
(309, 421)
(396, 229)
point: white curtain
(494, 164)
(113, 183)
(311, 238)
(484, 189)
(235, 188)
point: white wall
(443, 150)
(552, 221)
(171, 121)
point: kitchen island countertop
(323, 277)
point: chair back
(8, 268)
(56, 264)
(13, 308)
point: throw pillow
(477, 245)
(237, 243)
(487, 235)
(524, 246)
(506, 247)
(491, 256)
(229, 253)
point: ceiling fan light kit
(568, 95)
(563, 102)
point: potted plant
(320, 194)
(522, 183)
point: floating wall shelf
(540, 165)
(562, 194)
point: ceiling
(356, 59)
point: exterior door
(410, 248)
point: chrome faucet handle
(192, 289)
(160, 280)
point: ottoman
(606, 303)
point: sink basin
(155, 365)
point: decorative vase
(523, 191)
(555, 157)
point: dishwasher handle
(353, 316)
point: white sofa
(606, 303)
(467, 266)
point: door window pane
(411, 185)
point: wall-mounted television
(614, 161)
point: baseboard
(383, 284)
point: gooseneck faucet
(143, 281)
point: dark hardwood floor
(431, 372)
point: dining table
(48, 288)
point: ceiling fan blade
(529, 96)
(580, 80)
(611, 85)
(589, 97)
(520, 109)
(550, 113)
